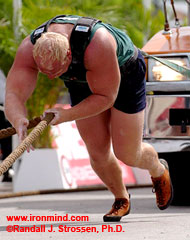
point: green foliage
(8, 45)
(130, 16)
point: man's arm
(21, 81)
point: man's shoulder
(25, 48)
(24, 56)
(26, 44)
(102, 41)
(101, 48)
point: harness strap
(80, 37)
(183, 70)
(79, 40)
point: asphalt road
(85, 211)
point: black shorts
(132, 94)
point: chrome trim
(156, 124)
(168, 86)
(168, 145)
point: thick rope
(53, 191)
(34, 134)
(4, 133)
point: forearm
(14, 108)
(91, 106)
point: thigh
(127, 133)
(95, 132)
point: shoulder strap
(42, 28)
(80, 37)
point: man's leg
(95, 132)
(127, 134)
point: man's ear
(69, 53)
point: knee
(130, 158)
(100, 155)
(136, 157)
(149, 152)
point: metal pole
(17, 18)
(147, 3)
(2, 108)
(188, 14)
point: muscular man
(105, 76)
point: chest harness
(79, 40)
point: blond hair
(51, 46)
